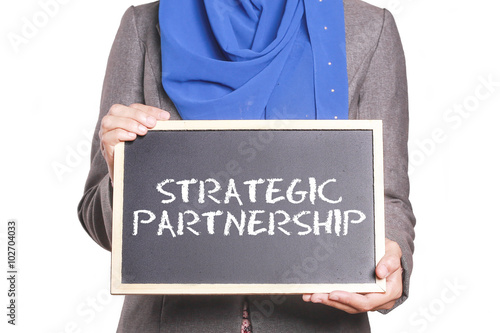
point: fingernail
(164, 115)
(334, 298)
(151, 121)
(142, 129)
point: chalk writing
(248, 222)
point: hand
(389, 267)
(124, 123)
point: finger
(358, 302)
(355, 303)
(391, 261)
(350, 302)
(394, 284)
(111, 138)
(394, 290)
(379, 301)
(324, 299)
(122, 111)
(111, 123)
(146, 115)
(108, 142)
(155, 112)
(383, 303)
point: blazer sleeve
(123, 84)
(384, 95)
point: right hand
(124, 123)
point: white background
(50, 91)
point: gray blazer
(377, 90)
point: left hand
(389, 267)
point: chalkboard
(249, 207)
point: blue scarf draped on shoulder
(255, 59)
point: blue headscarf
(255, 59)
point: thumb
(391, 261)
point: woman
(208, 63)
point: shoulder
(144, 18)
(365, 26)
(365, 23)
(145, 14)
(362, 10)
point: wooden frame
(375, 126)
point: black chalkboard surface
(249, 207)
